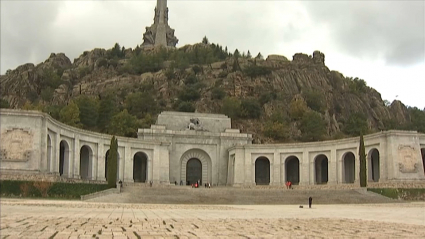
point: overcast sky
(382, 42)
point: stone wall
(391, 155)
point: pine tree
(259, 56)
(205, 40)
(248, 55)
(362, 155)
(236, 54)
(112, 162)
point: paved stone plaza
(76, 219)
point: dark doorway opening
(140, 163)
(262, 171)
(321, 168)
(292, 167)
(349, 168)
(193, 171)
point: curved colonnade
(390, 156)
(35, 142)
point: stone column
(56, 153)
(276, 170)
(101, 162)
(43, 146)
(128, 166)
(305, 172)
(249, 169)
(76, 158)
(332, 168)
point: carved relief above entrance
(16, 144)
(408, 161)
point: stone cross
(161, 6)
(160, 33)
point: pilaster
(128, 175)
(76, 158)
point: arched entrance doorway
(321, 169)
(349, 168)
(373, 169)
(206, 167)
(262, 171)
(193, 171)
(423, 157)
(292, 170)
(85, 162)
(140, 167)
(63, 158)
(49, 154)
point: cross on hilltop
(160, 33)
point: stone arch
(205, 160)
(262, 171)
(64, 158)
(349, 167)
(140, 167)
(423, 158)
(86, 161)
(49, 154)
(321, 169)
(106, 164)
(373, 165)
(292, 170)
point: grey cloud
(393, 30)
(25, 30)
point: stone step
(228, 195)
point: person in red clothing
(289, 185)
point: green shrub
(255, 71)
(387, 192)
(217, 93)
(197, 69)
(250, 108)
(223, 74)
(189, 94)
(267, 97)
(101, 62)
(276, 130)
(185, 106)
(312, 126)
(356, 124)
(9, 188)
(169, 73)
(231, 107)
(4, 104)
(47, 93)
(191, 79)
(314, 100)
(413, 194)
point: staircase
(171, 194)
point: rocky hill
(278, 100)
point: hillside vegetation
(118, 90)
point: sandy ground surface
(76, 219)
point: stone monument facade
(160, 33)
(190, 147)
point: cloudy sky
(382, 42)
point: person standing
(310, 201)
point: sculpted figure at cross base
(171, 39)
(148, 37)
